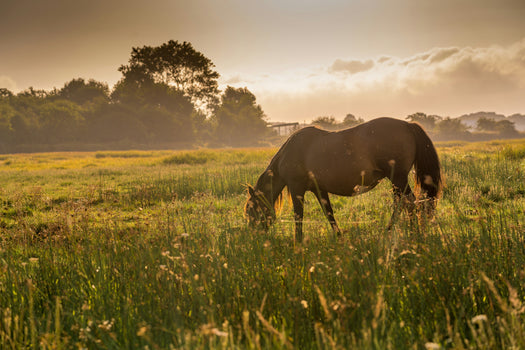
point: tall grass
(154, 252)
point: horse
(346, 163)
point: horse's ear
(251, 191)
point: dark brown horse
(345, 163)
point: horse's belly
(349, 185)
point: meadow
(150, 250)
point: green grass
(127, 250)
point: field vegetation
(149, 249)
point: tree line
(439, 128)
(168, 96)
(446, 128)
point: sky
(301, 58)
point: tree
(351, 120)
(325, 122)
(428, 122)
(133, 89)
(240, 120)
(165, 112)
(178, 65)
(503, 127)
(117, 123)
(7, 113)
(451, 128)
(36, 94)
(486, 124)
(507, 128)
(26, 122)
(330, 123)
(5, 93)
(80, 92)
(60, 121)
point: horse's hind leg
(324, 201)
(403, 198)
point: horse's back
(385, 140)
(341, 160)
(380, 129)
(381, 136)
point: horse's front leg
(298, 209)
(324, 201)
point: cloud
(447, 81)
(384, 59)
(440, 55)
(468, 71)
(352, 66)
(8, 83)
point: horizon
(301, 59)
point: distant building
(284, 129)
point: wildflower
(142, 331)
(219, 333)
(479, 319)
(106, 325)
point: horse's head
(258, 210)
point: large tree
(165, 113)
(178, 65)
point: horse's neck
(271, 185)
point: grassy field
(129, 250)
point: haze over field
(301, 58)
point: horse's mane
(273, 170)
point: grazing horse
(346, 163)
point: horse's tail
(428, 170)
